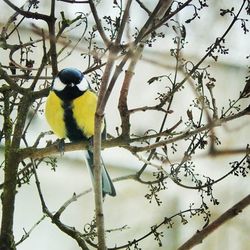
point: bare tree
(113, 46)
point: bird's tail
(107, 184)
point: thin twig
(98, 23)
(212, 48)
(123, 23)
(74, 198)
(27, 234)
(71, 231)
(214, 123)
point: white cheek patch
(58, 85)
(83, 85)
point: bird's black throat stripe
(73, 131)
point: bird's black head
(69, 84)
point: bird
(70, 112)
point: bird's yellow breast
(54, 114)
(83, 109)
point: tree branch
(228, 215)
(98, 24)
(212, 48)
(11, 167)
(12, 83)
(28, 14)
(123, 23)
(99, 117)
(122, 105)
(212, 124)
(71, 231)
(120, 142)
(52, 38)
(164, 19)
(27, 234)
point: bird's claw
(90, 144)
(61, 146)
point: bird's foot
(60, 143)
(90, 144)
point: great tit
(70, 111)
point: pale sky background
(130, 207)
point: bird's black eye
(58, 85)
